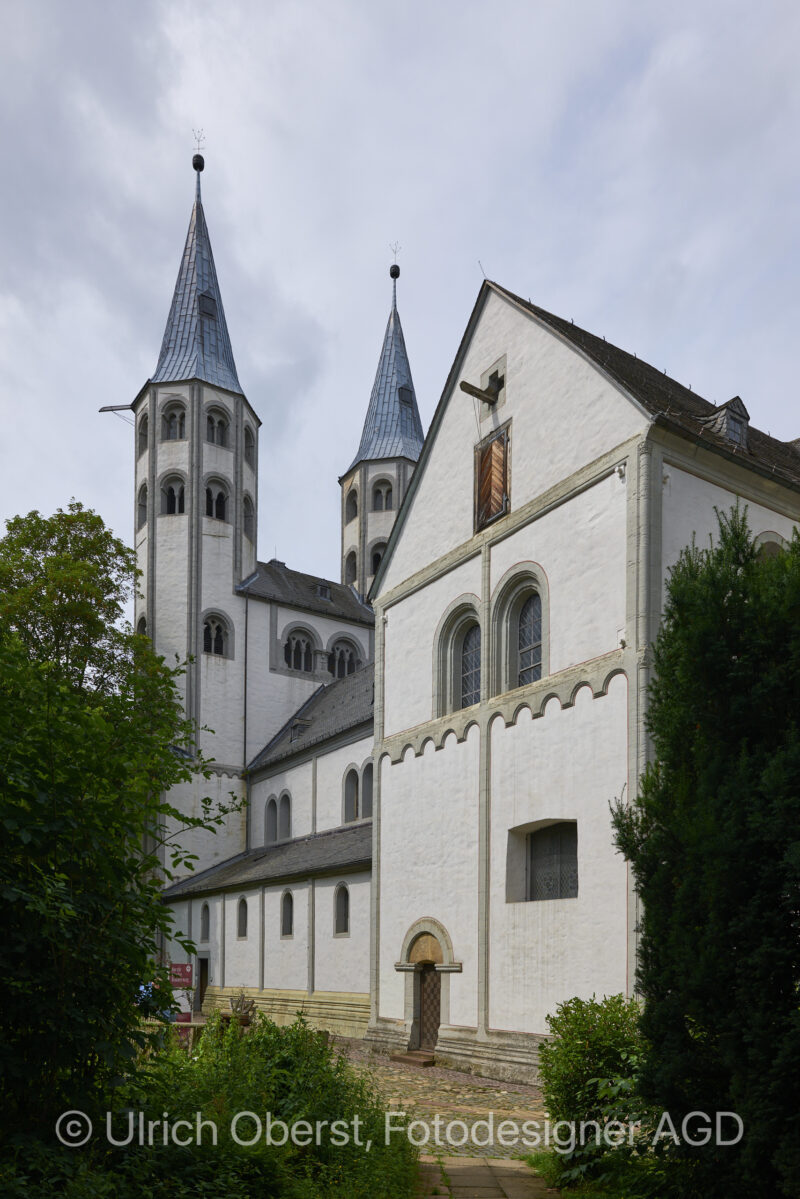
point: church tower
(196, 498)
(377, 479)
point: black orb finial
(394, 271)
(198, 162)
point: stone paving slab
(481, 1178)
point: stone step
(413, 1057)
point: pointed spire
(392, 428)
(196, 344)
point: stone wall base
(512, 1056)
(344, 1013)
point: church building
(429, 746)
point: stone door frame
(411, 963)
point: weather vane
(394, 248)
(199, 138)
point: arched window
(205, 923)
(377, 554)
(382, 497)
(341, 911)
(172, 497)
(366, 792)
(173, 423)
(216, 637)
(216, 501)
(287, 914)
(141, 507)
(248, 519)
(217, 427)
(351, 506)
(141, 626)
(350, 568)
(271, 823)
(470, 658)
(241, 921)
(529, 640)
(351, 811)
(285, 818)
(342, 659)
(298, 651)
(249, 447)
(144, 433)
(553, 862)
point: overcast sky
(630, 165)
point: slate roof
(332, 852)
(331, 710)
(196, 344)
(391, 429)
(669, 401)
(274, 580)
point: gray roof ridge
(196, 343)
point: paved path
(479, 1178)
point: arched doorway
(425, 953)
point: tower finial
(394, 272)
(198, 162)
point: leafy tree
(92, 735)
(714, 840)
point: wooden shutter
(492, 479)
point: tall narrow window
(141, 626)
(172, 497)
(141, 507)
(491, 484)
(553, 862)
(382, 497)
(342, 910)
(271, 823)
(342, 660)
(144, 433)
(249, 447)
(205, 923)
(366, 792)
(215, 636)
(471, 667)
(173, 423)
(351, 506)
(285, 818)
(241, 922)
(351, 796)
(287, 915)
(377, 554)
(249, 519)
(216, 502)
(350, 568)
(298, 651)
(529, 641)
(217, 428)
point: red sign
(180, 975)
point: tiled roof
(392, 428)
(333, 852)
(273, 580)
(196, 344)
(331, 710)
(669, 401)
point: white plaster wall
(331, 769)
(564, 414)
(241, 955)
(408, 645)
(342, 962)
(286, 958)
(172, 565)
(429, 864)
(688, 504)
(581, 546)
(211, 947)
(229, 838)
(568, 765)
(297, 780)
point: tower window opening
(249, 519)
(172, 498)
(215, 636)
(350, 568)
(173, 423)
(249, 447)
(342, 659)
(298, 652)
(217, 428)
(141, 507)
(382, 497)
(216, 503)
(144, 433)
(377, 555)
(351, 506)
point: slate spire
(196, 344)
(392, 428)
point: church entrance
(430, 1005)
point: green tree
(714, 840)
(92, 734)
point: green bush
(291, 1073)
(592, 1039)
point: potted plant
(242, 1008)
